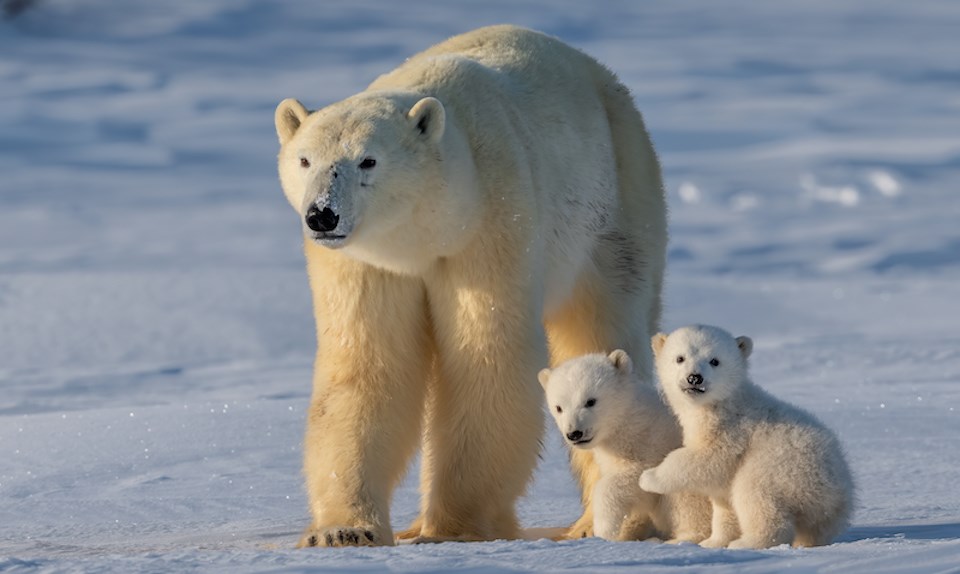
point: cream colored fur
(774, 473)
(625, 423)
(494, 195)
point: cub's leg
(689, 515)
(724, 526)
(764, 522)
(621, 510)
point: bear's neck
(702, 424)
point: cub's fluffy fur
(599, 404)
(774, 473)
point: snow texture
(156, 335)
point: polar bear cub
(598, 404)
(774, 473)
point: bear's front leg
(368, 395)
(610, 507)
(619, 502)
(484, 419)
(671, 474)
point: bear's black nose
(695, 379)
(575, 435)
(321, 220)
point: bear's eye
(368, 163)
(559, 410)
(714, 363)
(304, 162)
(590, 403)
(680, 358)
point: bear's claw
(339, 536)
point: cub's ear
(621, 360)
(428, 118)
(745, 345)
(288, 117)
(657, 343)
(544, 377)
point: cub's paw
(650, 482)
(337, 536)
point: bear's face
(587, 395)
(354, 170)
(700, 364)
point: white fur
(628, 427)
(493, 194)
(774, 473)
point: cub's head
(700, 364)
(587, 395)
(352, 170)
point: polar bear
(774, 473)
(599, 404)
(493, 202)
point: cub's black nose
(695, 379)
(575, 435)
(321, 220)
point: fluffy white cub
(773, 472)
(599, 404)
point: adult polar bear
(496, 192)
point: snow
(156, 336)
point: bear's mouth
(582, 441)
(694, 390)
(328, 239)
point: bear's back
(503, 57)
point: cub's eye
(368, 163)
(559, 410)
(304, 162)
(590, 403)
(714, 363)
(680, 359)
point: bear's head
(588, 395)
(368, 175)
(700, 364)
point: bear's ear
(657, 343)
(621, 360)
(745, 345)
(544, 377)
(428, 118)
(288, 117)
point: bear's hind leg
(764, 522)
(819, 529)
(724, 527)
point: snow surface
(155, 328)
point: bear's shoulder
(486, 56)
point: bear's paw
(339, 536)
(650, 482)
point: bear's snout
(694, 384)
(321, 220)
(574, 436)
